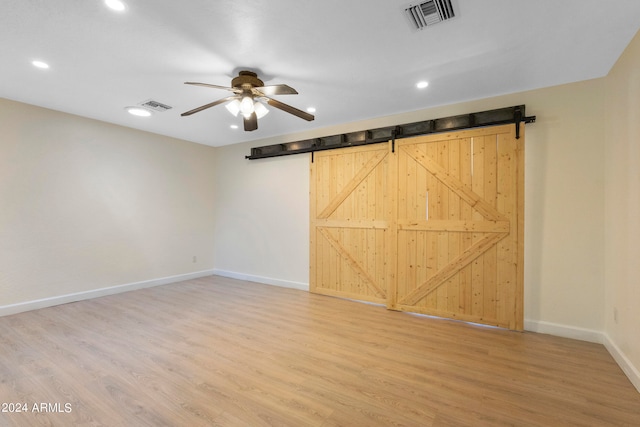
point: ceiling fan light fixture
(250, 99)
(246, 106)
(260, 110)
(233, 107)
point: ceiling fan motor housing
(246, 80)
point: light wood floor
(219, 352)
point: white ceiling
(352, 60)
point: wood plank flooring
(221, 352)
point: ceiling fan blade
(232, 89)
(291, 110)
(251, 122)
(212, 104)
(277, 90)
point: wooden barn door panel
(350, 215)
(433, 227)
(458, 213)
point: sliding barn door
(434, 227)
(459, 226)
(350, 215)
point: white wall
(622, 244)
(86, 205)
(262, 216)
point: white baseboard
(7, 310)
(264, 280)
(564, 331)
(625, 364)
(591, 336)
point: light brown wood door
(435, 227)
(459, 226)
(350, 215)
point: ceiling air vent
(430, 12)
(155, 105)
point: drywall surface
(86, 205)
(622, 207)
(262, 220)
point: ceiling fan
(249, 95)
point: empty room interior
(295, 213)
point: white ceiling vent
(430, 12)
(155, 105)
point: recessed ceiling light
(311, 109)
(137, 111)
(422, 84)
(234, 126)
(40, 64)
(116, 5)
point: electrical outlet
(195, 259)
(615, 314)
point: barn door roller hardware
(501, 116)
